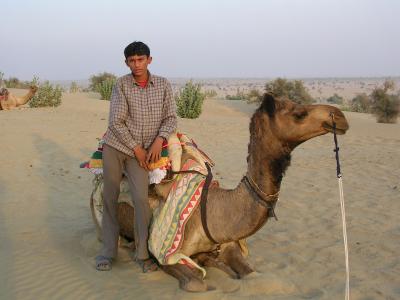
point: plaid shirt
(138, 115)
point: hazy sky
(201, 38)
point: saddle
(180, 149)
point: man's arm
(168, 124)
(118, 117)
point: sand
(48, 240)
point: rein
(203, 199)
(339, 176)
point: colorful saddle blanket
(169, 221)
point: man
(142, 115)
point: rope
(258, 188)
(339, 176)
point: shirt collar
(150, 79)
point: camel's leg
(208, 260)
(188, 279)
(231, 255)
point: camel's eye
(300, 115)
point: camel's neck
(268, 158)
(267, 169)
(24, 99)
(267, 162)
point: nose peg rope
(339, 176)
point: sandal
(148, 265)
(103, 263)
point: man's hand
(154, 153)
(140, 155)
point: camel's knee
(208, 260)
(231, 254)
(188, 278)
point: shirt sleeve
(118, 117)
(169, 121)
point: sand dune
(48, 240)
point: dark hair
(137, 48)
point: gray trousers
(114, 163)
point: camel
(277, 127)
(9, 101)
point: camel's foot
(232, 256)
(189, 280)
(209, 260)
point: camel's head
(3, 94)
(33, 89)
(293, 124)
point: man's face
(138, 64)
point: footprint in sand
(258, 283)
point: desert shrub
(189, 101)
(361, 103)
(235, 97)
(254, 96)
(74, 88)
(96, 80)
(335, 99)
(294, 90)
(385, 106)
(14, 82)
(46, 95)
(105, 88)
(210, 94)
(238, 96)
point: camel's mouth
(329, 128)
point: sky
(72, 40)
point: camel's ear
(268, 104)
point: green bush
(254, 96)
(335, 99)
(385, 106)
(210, 94)
(361, 103)
(238, 96)
(2, 84)
(46, 95)
(14, 82)
(293, 90)
(96, 80)
(105, 88)
(74, 88)
(189, 101)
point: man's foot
(148, 265)
(103, 263)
